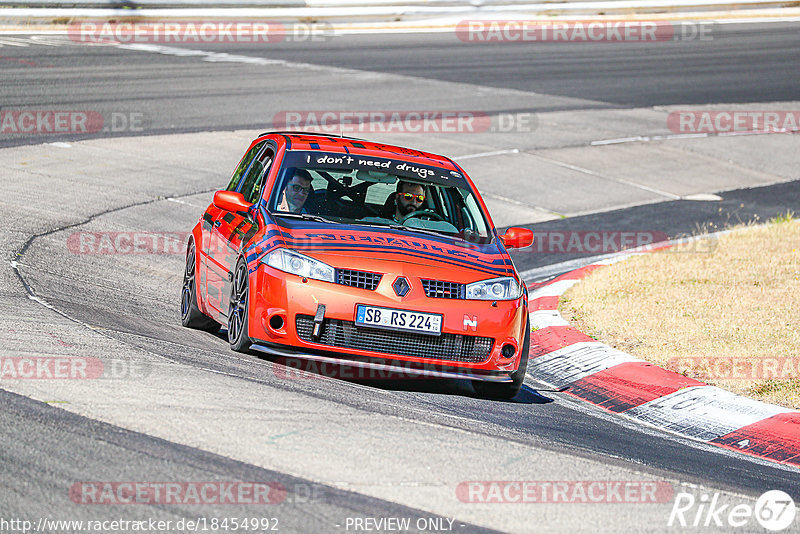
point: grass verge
(729, 317)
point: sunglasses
(408, 197)
(298, 188)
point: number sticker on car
(406, 320)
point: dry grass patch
(730, 317)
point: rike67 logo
(774, 510)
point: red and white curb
(617, 382)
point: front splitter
(364, 364)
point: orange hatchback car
(365, 254)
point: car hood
(366, 247)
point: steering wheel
(421, 213)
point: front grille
(346, 335)
(439, 289)
(360, 279)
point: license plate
(406, 320)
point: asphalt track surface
(45, 449)
(741, 63)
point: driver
(409, 198)
(296, 192)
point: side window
(244, 166)
(255, 177)
(472, 216)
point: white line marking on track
(645, 138)
(45, 40)
(171, 199)
(487, 154)
(598, 175)
(518, 203)
(703, 197)
(648, 138)
(439, 15)
(207, 56)
(223, 57)
(13, 41)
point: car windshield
(365, 190)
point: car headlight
(505, 288)
(293, 262)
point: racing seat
(314, 202)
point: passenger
(409, 197)
(296, 192)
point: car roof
(347, 145)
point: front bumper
(385, 368)
(283, 306)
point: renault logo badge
(401, 286)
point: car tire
(508, 390)
(238, 310)
(191, 316)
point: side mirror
(517, 238)
(231, 201)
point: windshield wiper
(304, 216)
(416, 229)
(398, 227)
